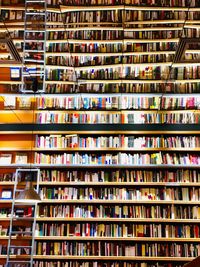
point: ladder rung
(21, 232)
(14, 246)
(34, 71)
(33, 60)
(35, 1)
(34, 40)
(35, 74)
(35, 13)
(21, 203)
(15, 261)
(22, 218)
(27, 31)
(33, 51)
(19, 190)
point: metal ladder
(20, 248)
(34, 47)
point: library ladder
(20, 248)
(34, 47)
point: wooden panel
(16, 141)
(5, 74)
(16, 117)
(194, 263)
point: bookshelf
(115, 134)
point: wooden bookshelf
(113, 60)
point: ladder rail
(34, 221)
(11, 221)
(12, 246)
(36, 53)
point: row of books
(86, 48)
(7, 177)
(15, 250)
(164, 34)
(120, 71)
(81, 101)
(116, 15)
(126, 74)
(173, 177)
(61, 75)
(75, 141)
(87, 16)
(121, 141)
(20, 231)
(116, 102)
(86, 35)
(12, 14)
(118, 230)
(120, 158)
(147, 58)
(101, 264)
(126, 71)
(3, 230)
(130, 176)
(3, 249)
(143, 211)
(59, 88)
(19, 158)
(182, 159)
(102, 211)
(112, 16)
(123, 87)
(119, 117)
(107, 47)
(141, 15)
(117, 249)
(116, 193)
(140, 73)
(86, 60)
(18, 212)
(171, 3)
(116, 87)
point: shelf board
(124, 239)
(33, 97)
(162, 21)
(105, 201)
(69, 8)
(115, 258)
(100, 128)
(119, 184)
(171, 149)
(161, 8)
(4, 183)
(65, 8)
(5, 201)
(102, 111)
(116, 184)
(113, 81)
(4, 218)
(18, 238)
(123, 65)
(92, 166)
(123, 220)
(108, 54)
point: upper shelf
(65, 8)
(101, 128)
